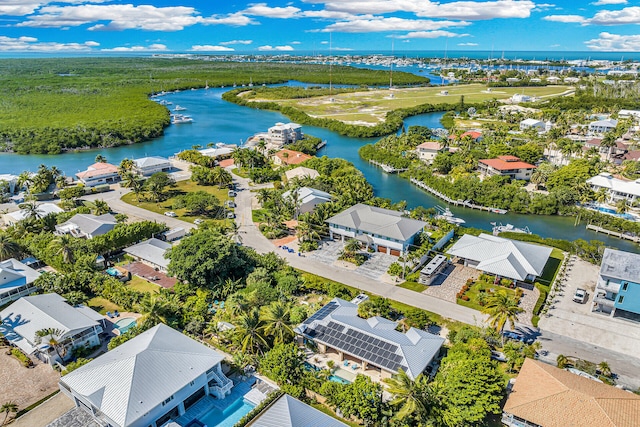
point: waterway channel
(216, 120)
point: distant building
(80, 326)
(16, 280)
(427, 151)
(518, 97)
(373, 342)
(618, 287)
(603, 126)
(98, 174)
(289, 157)
(627, 114)
(282, 134)
(42, 210)
(301, 172)
(11, 180)
(87, 226)
(151, 252)
(510, 166)
(539, 125)
(308, 198)
(617, 189)
(147, 166)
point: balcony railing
(604, 301)
(612, 287)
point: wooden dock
(597, 229)
(462, 203)
(387, 168)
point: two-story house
(147, 166)
(16, 280)
(510, 166)
(617, 189)
(617, 291)
(99, 174)
(427, 151)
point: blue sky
(99, 26)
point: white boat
(447, 215)
(499, 211)
(178, 119)
(179, 108)
(510, 228)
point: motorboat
(508, 228)
(447, 215)
(179, 108)
(178, 119)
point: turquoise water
(229, 417)
(124, 324)
(112, 271)
(615, 213)
(337, 379)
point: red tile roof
(292, 157)
(501, 164)
(98, 169)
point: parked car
(198, 221)
(580, 296)
(171, 214)
(231, 193)
(229, 204)
(231, 215)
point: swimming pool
(124, 324)
(614, 213)
(334, 377)
(111, 271)
(229, 417)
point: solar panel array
(359, 344)
(322, 313)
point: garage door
(395, 252)
(382, 249)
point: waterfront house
(16, 280)
(602, 126)
(510, 166)
(629, 114)
(87, 226)
(282, 133)
(288, 411)
(427, 151)
(502, 257)
(307, 198)
(538, 125)
(301, 172)
(373, 343)
(617, 189)
(147, 166)
(617, 291)
(220, 152)
(384, 230)
(546, 396)
(151, 252)
(99, 174)
(80, 326)
(12, 182)
(42, 210)
(147, 381)
(289, 157)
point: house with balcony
(149, 380)
(99, 174)
(617, 189)
(307, 198)
(617, 291)
(16, 280)
(80, 326)
(427, 151)
(384, 230)
(602, 126)
(510, 166)
(147, 166)
(87, 226)
(282, 133)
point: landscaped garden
(474, 293)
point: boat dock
(597, 229)
(463, 203)
(387, 168)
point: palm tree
(502, 308)
(276, 318)
(98, 207)
(49, 222)
(621, 206)
(126, 166)
(562, 361)
(64, 245)
(154, 309)
(52, 336)
(130, 180)
(25, 180)
(100, 159)
(248, 332)
(31, 210)
(352, 246)
(604, 368)
(412, 397)
(305, 232)
(9, 248)
(7, 408)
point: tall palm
(352, 246)
(153, 308)
(53, 337)
(9, 248)
(249, 333)
(64, 246)
(126, 166)
(31, 210)
(98, 207)
(7, 408)
(604, 368)
(49, 222)
(221, 176)
(277, 322)
(501, 308)
(411, 396)
(25, 179)
(133, 182)
(100, 159)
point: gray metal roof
(288, 411)
(374, 340)
(135, 377)
(620, 265)
(504, 257)
(373, 220)
(22, 319)
(92, 224)
(146, 162)
(151, 250)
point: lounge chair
(110, 315)
(345, 363)
(354, 366)
(116, 314)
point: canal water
(216, 120)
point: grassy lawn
(103, 305)
(241, 172)
(182, 187)
(414, 286)
(551, 268)
(258, 215)
(141, 285)
(475, 291)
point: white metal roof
(607, 181)
(151, 250)
(288, 411)
(620, 265)
(43, 209)
(504, 257)
(135, 377)
(12, 270)
(147, 162)
(91, 224)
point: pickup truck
(580, 296)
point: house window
(620, 299)
(192, 383)
(167, 400)
(624, 286)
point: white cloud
(467, 44)
(577, 19)
(31, 44)
(234, 19)
(606, 2)
(211, 48)
(27, 7)
(230, 42)
(151, 48)
(261, 9)
(628, 15)
(295, 42)
(608, 42)
(380, 24)
(268, 48)
(430, 35)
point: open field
(371, 106)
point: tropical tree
(501, 308)
(98, 207)
(31, 210)
(9, 248)
(154, 309)
(100, 159)
(133, 182)
(412, 397)
(25, 180)
(248, 333)
(562, 361)
(277, 322)
(352, 246)
(7, 408)
(604, 368)
(157, 184)
(64, 246)
(221, 176)
(621, 206)
(126, 167)
(52, 337)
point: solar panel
(323, 312)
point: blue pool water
(229, 417)
(613, 212)
(123, 325)
(335, 378)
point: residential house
(147, 166)
(147, 381)
(502, 257)
(510, 166)
(602, 126)
(151, 252)
(427, 151)
(79, 326)
(219, 152)
(288, 411)
(538, 125)
(99, 174)
(520, 97)
(11, 180)
(301, 172)
(87, 226)
(629, 114)
(374, 343)
(42, 210)
(546, 396)
(617, 189)
(617, 289)
(16, 280)
(307, 198)
(282, 133)
(382, 229)
(617, 151)
(289, 157)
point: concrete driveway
(374, 267)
